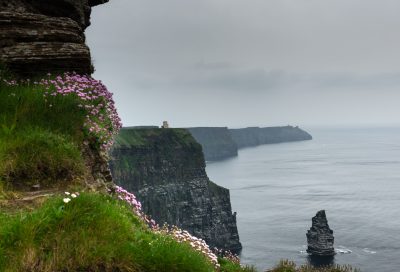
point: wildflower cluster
(130, 198)
(181, 236)
(70, 196)
(10, 83)
(102, 120)
(227, 255)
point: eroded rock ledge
(37, 37)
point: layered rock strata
(320, 237)
(37, 37)
(165, 168)
(47, 36)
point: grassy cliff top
(133, 137)
(213, 136)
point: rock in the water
(320, 237)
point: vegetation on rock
(45, 124)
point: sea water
(353, 174)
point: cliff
(165, 168)
(221, 143)
(37, 37)
(217, 142)
(253, 136)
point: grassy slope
(93, 232)
(40, 141)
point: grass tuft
(227, 266)
(289, 266)
(24, 105)
(34, 155)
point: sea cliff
(253, 136)
(221, 143)
(217, 142)
(165, 168)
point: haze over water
(354, 174)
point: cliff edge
(217, 142)
(253, 136)
(220, 142)
(165, 168)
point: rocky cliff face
(253, 136)
(37, 37)
(320, 237)
(165, 168)
(221, 143)
(217, 142)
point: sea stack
(320, 237)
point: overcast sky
(241, 63)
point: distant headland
(222, 142)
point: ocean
(353, 174)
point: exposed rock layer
(217, 142)
(165, 168)
(37, 37)
(320, 237)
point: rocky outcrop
(320, 237)
(37, 37)
(165, 168)
(253, 136)
(217, 142)
(98, 175)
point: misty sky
(250, 62)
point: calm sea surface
(353, 174)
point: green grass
(24, 106)
(3, 192)
(227, 266)
(93, 232)
(35, 155)
(289, 266)
(40, 140)
(129, 137)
